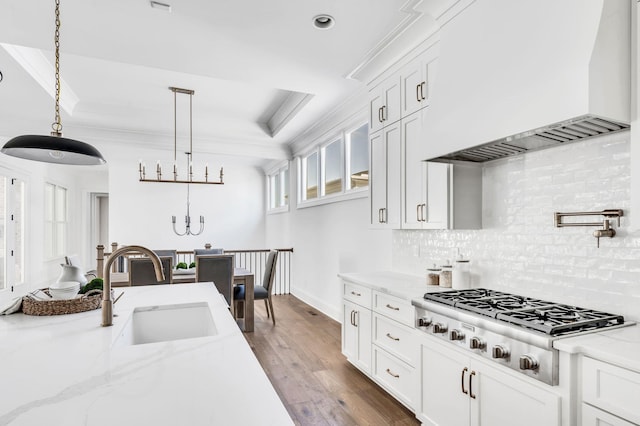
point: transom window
(322, 171)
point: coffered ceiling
(262, 73)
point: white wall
(140, 213)
(328, 239)
(520, 250)
(79, 181)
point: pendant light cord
(57, 125)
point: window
(279, 188)
(358, 155)
(310, 173)
(328, 164)
(12, 232)
(332, 163)
(55, 217)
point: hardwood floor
(301, 356)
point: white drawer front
(357, 294)
(394, 307)
(398, 339)
(398, 378)
(611, 388)
(591, 416)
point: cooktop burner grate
(550, 318)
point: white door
(501, 398)
(413, 173)
(445, 378)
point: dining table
(241, 276)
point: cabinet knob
(456, 335)
(439, 328)
(528, 362)
(499, 351)
(477, 343)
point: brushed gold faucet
(107, 302)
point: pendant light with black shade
(54, 148)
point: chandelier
(142, 170)
(189, 167)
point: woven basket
(87, 302)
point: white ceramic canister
(461, 275)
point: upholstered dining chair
(171, 253)
(261, 291)
(141, 271)
(219, 269)
(204, 252)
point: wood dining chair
(141, 271)
(261, 291)
(219, 269)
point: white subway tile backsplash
(520, 250)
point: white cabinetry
(458, 389)
(609, 394)
(379, 338)
(395, 348)
(415, 79)
(356, 325)
(384, 104)
(406, 192)
(384, 185)
(436, 195)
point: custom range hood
(517, 76)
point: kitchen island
(69, 370)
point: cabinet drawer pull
(397, 339)
(473, 373)
(397, 376)
(384, 214)
(356, 318)
(418, 209)
(384, 113)
(353, 321)
(380, 114)
(418, 92)
(464, 371)
(355, 293)
(393, 307)
(424, 215)
(422, 86)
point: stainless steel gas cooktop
(512, 330)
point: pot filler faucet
(107, 302)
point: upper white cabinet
(436, 195)
(415, 81)
(384, 184)
(384, 104)
(407, 192)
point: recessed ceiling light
(323, 22)
(162, 6)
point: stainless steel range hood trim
(566, 132)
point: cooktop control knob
(500, 351)
(528, 362)
(439, 328)
(477, 343)
(424, 322)
(456, 335)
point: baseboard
(320, 305)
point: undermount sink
(163, 323)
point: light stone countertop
(401, 285)
(619, 347)
(64, 370)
